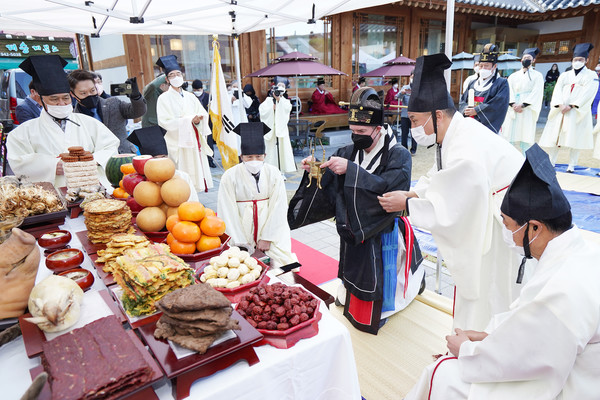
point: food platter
(235, 294)
(186, 370)
(135, 322)
(143, 392)
(288, 338)
(34, 337)
(204, 255)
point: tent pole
(449, 38)
(296, 84)
(238, 73)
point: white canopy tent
(183, 17)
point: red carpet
(316, 267)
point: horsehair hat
(429, 91)
(532, 51)
(168, 63)
(535, 192)
(582, 50)
(490, 53)
(252, 139)
(362, 79)
(48, 74)
(366, 108)
(320, 81)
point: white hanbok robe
(280, 156)
(235, 109)
(468, 81)
(546, 347)
(573, 129)
(175, 113)
(237, 202)
(597, 133)
(526, 87)
(33, 147)
(460, 206)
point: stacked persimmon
(194, 228)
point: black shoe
(338, 303)
(413, 152)
(382, 322)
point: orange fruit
(120, 193)
(209, 212)
(212, 226)
(171, 221)
(127, 169)
(121, 184)
(186, 231)
(191, 211)
(170, 238)
(208, 243)
(178, 247)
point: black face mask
(526, 63)
(362, 142)
(89, 102)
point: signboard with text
(22, 47)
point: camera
(120, 89)
(277, 91)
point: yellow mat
(390, 362)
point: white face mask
(578, 64)
(476, 69)
(59, 112)
(507, 235)
(419, 135)
(177, 81)
(395, 86)
(254, 166)
(99, 89)
(485, 73)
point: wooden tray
(106, 277)
(191, 258)
(234, 295)
(143, 392)
(288, 338)
(33, 337)
(186, 371)
(89, 247)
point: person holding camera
(275, 113)
(246, 102)
(112, 112)
(181, 114)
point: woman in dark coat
(252, 111)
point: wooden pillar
(253, 56)
(139, 59)
(591, 22)
(342, 27)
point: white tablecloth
(318, 368)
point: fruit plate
(234, 295)
(142, 392)
(158, 237)
(204, 255)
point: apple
(133, 205)
(130, 181)
(139, 162)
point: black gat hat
(48, 74)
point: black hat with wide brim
(150, 140)
(48, 74)
(535, 192)
(582, 50)
(252, 137)
(168, 63)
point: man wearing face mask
(548, 344)
(252, 199)
(486, 98)
(112, 112)
(570, 119)
(34, 146)
(526, 95)
(375, 285)
(458, 200)
(180, 113)
(475, 75)
(275, 113)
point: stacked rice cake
(105, 218)
(97, 361)
(194, 317)
(81, 172)
(147, 274)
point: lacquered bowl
(54, 239)
(81, 276)
(63, 260)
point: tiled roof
(531, 5)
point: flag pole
(236, 54)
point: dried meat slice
(98, 360)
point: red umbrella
(295, 64)
(400, 66)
